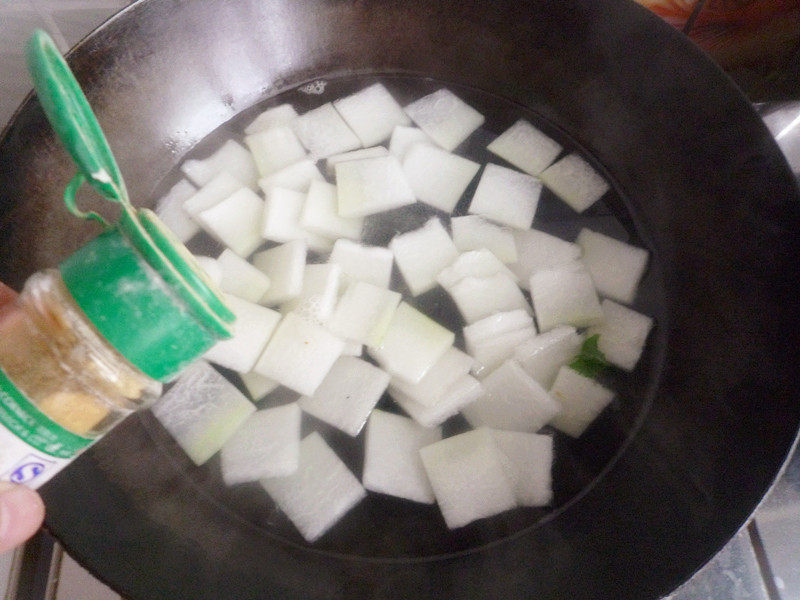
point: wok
(669, 474)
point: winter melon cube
(403, 138)
(565, 295)
(320, 214)
(412, 344)
(267, 444)
(235, 222)
(582, 399)
(372, 113)
(392, 464)
(528, 463)
(421, 254)
(574, 181)
(283, 114)
(472, 232)
(372, 152)
(274, 149)
(347, 395)
(506, 196)
(623, 333)
(438, 177)
(467, 476)
(371, 264)
(544, 355)
(299, 354)
(452, 366)
(220, 187)
(324, 133)
(537, 250)
(297, 177)
(258, 386)
(284, 265)
(479, 297)
(446, 118)
(525, 147)
(240, 278)
(251, 331)
(282, 209)
(512, 401)
(202, 410)
(230, 157)
(616, 267)
(319, 493)
(318, 295)
(363, 313)
(475, 263)
(371, 185)
(169, 209)
(464, 391)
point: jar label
(33, 447)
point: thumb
(21, 514)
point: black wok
(671, 472)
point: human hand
(21, 509)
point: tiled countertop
(762, 562)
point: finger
(21, 514)
(6, 294)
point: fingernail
(21, 514)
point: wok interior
(703, 181)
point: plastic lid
(137, 283)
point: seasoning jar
(88, 343)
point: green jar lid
(136, 282)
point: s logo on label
(27, 472)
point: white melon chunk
(352, 349)
(371, 185)
(236, 221)
(222, 186)
(403, 138)
(451, 367)
(319, 493)
(202, 410)
(512, 401)
(616, 267)
(251, 331)
(240, 278)
(318, 295)
(446, 118)
(296, 177)
(538, 250)
(231, 157)
(438, 177)
(506, 196)
(324, 133)
(371, 113)
(474, 263)
(472, 232)
(623, 333)
(363, 313)
(320, 214)
(284, 265)
(479, 297)
(372, 152)
(274, 149)
(267, 444)
(464, 391)
(283, 114)
(392, 464)
(582, 399)
(282, 209)
(491, 353)
(574, 181)
(525, 147)
(347, 395)
(422, 254)
(544, 355)
(299, 354)
(169, 209)
(565, 295)
(412, 344)
(467, 476)
(258, 386)
(494, 325)
(211, 268)
(528, 463)
(371, 264)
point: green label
(32, 426)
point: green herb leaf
(591, 362)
